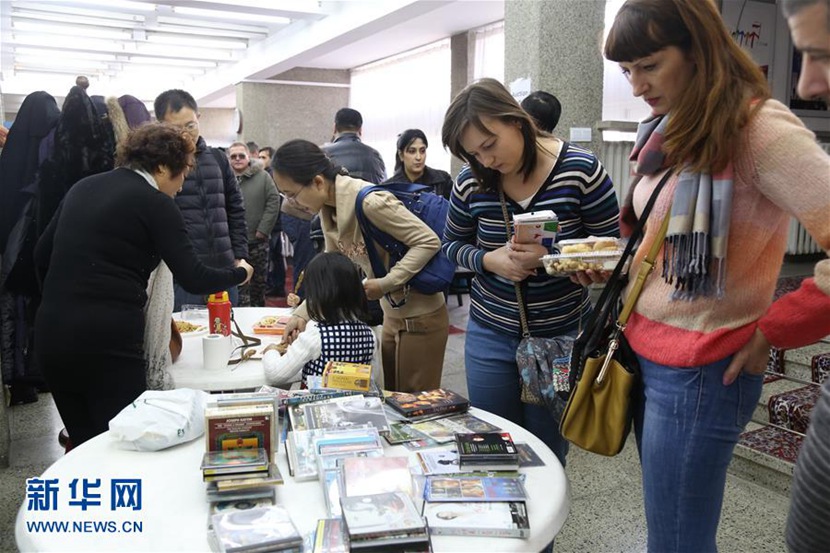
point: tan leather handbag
(598, 414)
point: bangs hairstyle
(155, 144)
(707, 123)
(334, 290)
(487, 98)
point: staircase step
(820, 367)
(769, 390)
(804, 356)
(792, 409)
(766, 456)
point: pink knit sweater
(781, 172)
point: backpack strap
(371, 234)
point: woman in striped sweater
(743, 164)
(487, 128)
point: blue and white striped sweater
(582, 196)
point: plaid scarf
(694, 257)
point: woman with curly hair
(95, 257)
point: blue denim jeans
(493, 385)
(687, 424)
(183, 297)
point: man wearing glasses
(210, 201)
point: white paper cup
(216, 350)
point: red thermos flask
(219, 313)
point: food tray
(566, 264)
(271, 325)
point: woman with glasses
(97, 253)
(415, 325)
(411, 164)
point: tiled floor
(607, 507)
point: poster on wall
(752, 25)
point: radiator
(615, 159)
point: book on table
(247, 481)
(487, 451)
(305, 447)
(495, 519)
(241, 427)
(346, 412)
(254, 530)
(383, 521)
(427, 403)
(474, 488)
(371, 475)
(330, 536)
(226, 506)
(234, 461)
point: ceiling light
(61, 54)
(236, 16)
(71, 30)
(119, 4)
(81, 17)
(173, 61)
(163, 38)
(201, 25)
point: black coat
(362, 161)
(97, 254)
(440, 181)
(213, 209)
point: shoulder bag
(543, 363)
(604, 368)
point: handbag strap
(646, 267)
(518, 287)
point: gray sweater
(262, 201)
(807, 528)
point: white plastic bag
(158, 419)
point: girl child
(336, 305)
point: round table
(189, 372)
(174, 511)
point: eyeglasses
(293, 197)
(192, 126)
(238, 156)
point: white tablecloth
(189, 372)
(174, 511)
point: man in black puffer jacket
(210, 200)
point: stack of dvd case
(258, 530)
(384, 522)
(487, 451)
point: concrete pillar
(557, 45)
(299, 103)
(462, 56)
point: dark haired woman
(411, 164)
(336, 306)
(515, 167)
(110, 232)
(743, 165)
(415, 329)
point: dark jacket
(97, 254)
(213, 209)
(38, 114)
(440, 181)
(362, 161)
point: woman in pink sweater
(743, 165)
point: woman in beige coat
(415, 333)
